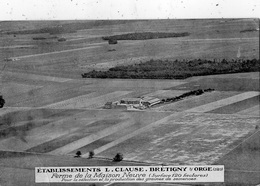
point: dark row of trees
(167, 69)
(144, 36)
(249, 30)
(187, 94)
(118, 157)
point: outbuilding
(150, 101)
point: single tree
(118, 157)
(2, 102)
(91, 154)
(78, 154)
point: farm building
(150, 101)
(130, 101)
(144, 101)
(140, 103)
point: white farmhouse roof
(150, 99)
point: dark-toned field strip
(106, 140)
(68, 138)
(238, 106)
(46, 95)
(8, 128)
(95, 127)
(141, 120)
(242, 165)
(34, 114)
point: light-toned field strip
(86, 100)
(124, 138)
(94, 45)
(83, 38)
(196, 40)
(91, 138)
(42, 134)
(245, 75)
(251, 111)
(166, 93)
(112, 63)
(157, 93)
(37, 77)
(17, 46)
(134, 84)
(222, 39)
(7, 110)
(221, 103)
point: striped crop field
(51, 112)
(108, 131)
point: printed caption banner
(205, 173)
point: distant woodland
(167, 69)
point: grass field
(52, 111)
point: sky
(127, 9)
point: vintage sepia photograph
(126, 88)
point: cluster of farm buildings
(133, 103)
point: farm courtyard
(51, 112)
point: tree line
(167, 69)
